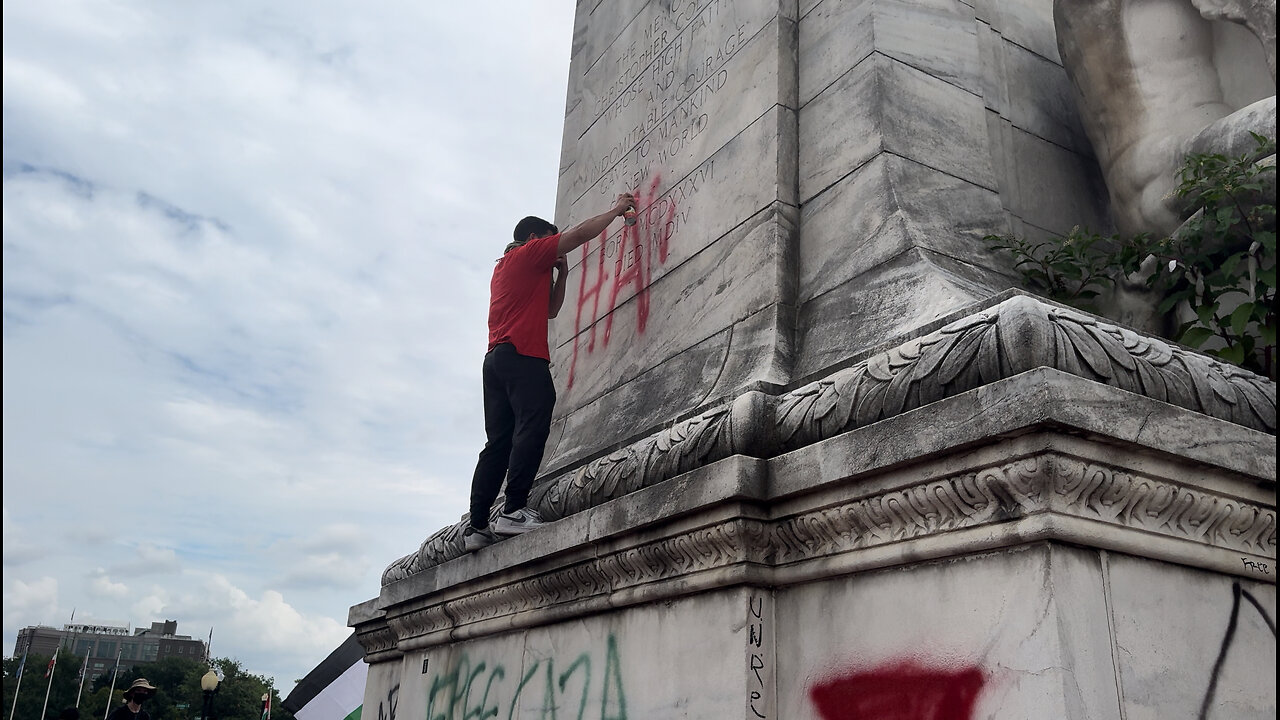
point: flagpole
(53, 668)
(84, 670)
(21, 668)
(112, 692)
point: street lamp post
(209, 686)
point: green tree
(1216, 273)
(31, 695)
(177, 680)
(173, 699)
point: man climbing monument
(518, 392)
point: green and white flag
(341, 699)
(334, 689)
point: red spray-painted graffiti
(638, 248)
(899, 692)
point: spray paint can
(629, 216)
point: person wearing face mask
(139, 691)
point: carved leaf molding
(684, 446)
(1013, 337)
(1017, 335)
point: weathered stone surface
(1025, 23)
(653, 110)
(653, 542)
(1178, 631)
(1041, 488)
(1041, 183)
(647, 397)
(714, 371)
(932, 366)
(886, 106)
(599, 667)
(1033, 631)
(653, 293)
(621, 371)
(1023, 627)
(692, 107)
(934, 36)
(889, 206)
(1016, 336)
(982, 347)
(887, 142)
(1033, 93)
(915, 288)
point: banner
(343, 699)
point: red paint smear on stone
(900, 692)
(640, 242)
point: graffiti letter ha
(639, 249)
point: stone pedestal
(947, 522)
(812, 456)
(814, 179)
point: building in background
(102, 643)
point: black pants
(518, 399)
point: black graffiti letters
(1256, 566)
(388, 712)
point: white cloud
(328, 557)
(149, 559)
(267, 624)
(46, 91)
(36, 599)
(152, 606)
(101, 585)
(246, 257)
(19, 547)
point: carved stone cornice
(1001, 492)
(1050, 482)
(681, 555)
(686, 445)
(378, 641)
(938, 511)
(1107, 494)
(1012, 337)
(1017, 335)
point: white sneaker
(474, 538)
(520, 521)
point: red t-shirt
(520, 297)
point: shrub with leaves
(1219, 267)
(1075, 269)
(1221, 262)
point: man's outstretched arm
(578, 234)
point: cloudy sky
(246, 258)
